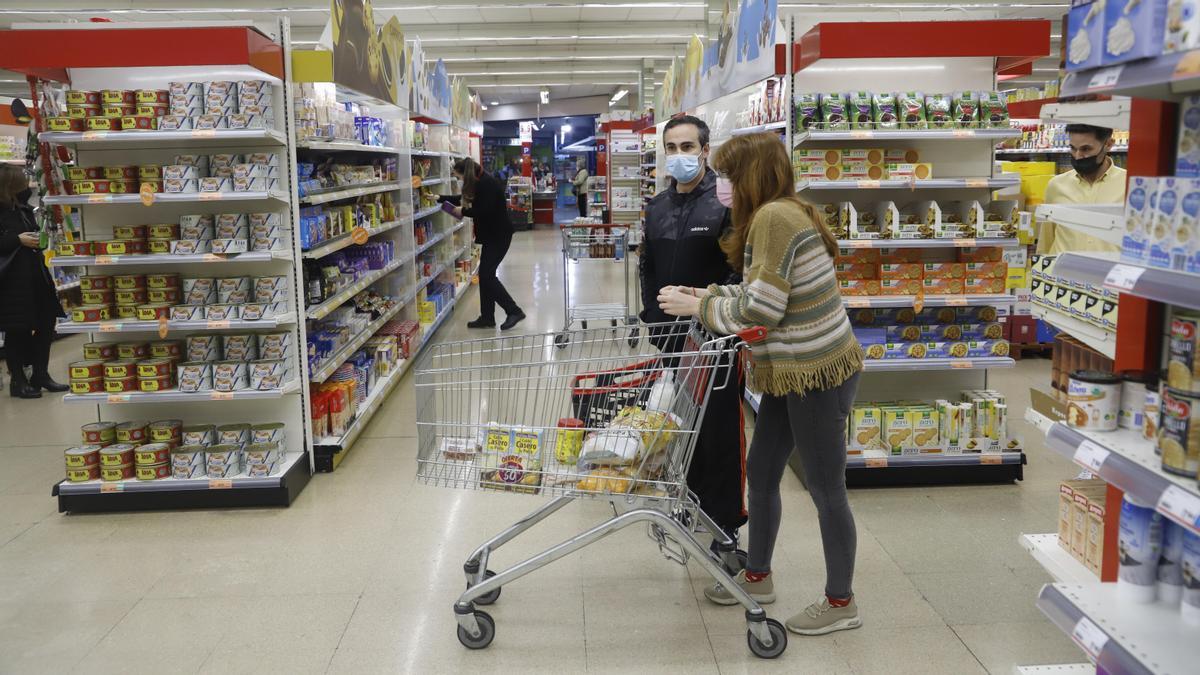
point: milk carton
(1187, 149)
(1185, 249)
(1162, 227)
(1085, 34)
(1140, 202)
(1133, 29)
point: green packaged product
(911, 105)
(860, 110)
(885, 112)
(833, 112)
(938, 109)
(993, 110)
(808, 111)
(966, 109)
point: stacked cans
(111, 110)
(236, 362)
(220, 105)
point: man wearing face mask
(1093, 179)
(680, 247)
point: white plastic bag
(662, 394)
(611, 446)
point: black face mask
(24, 195)
(1088, 166)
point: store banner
(431, 94)
(371, 61)
(742, 54)
(461, 96)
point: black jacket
(489, 210)
(27, 295)
(680, 246)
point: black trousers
(491, 291)
(718, 471)
(582, 201)
(23, 347)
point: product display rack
(242, 54)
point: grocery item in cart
(511, 459)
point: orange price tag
(868, 184)
(961, 364)
(106, 260)
(222, 396)
(862, 134)
(147, 194)
(118, 398)
(876, 462)
(106, 488)
(204, 133)
(220, 484)
(99, 199)
(858, 243)
(359, 235)
(218, 324)
(978, 182)
(110, 327)
(164, 326)
(858, 302)
(919, 302)
(956, 302)
(991, 458)
(210, 196)
(964, 243)
(94, 135)
(963, 133)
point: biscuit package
(808, 111)
(939, 110)
(834, 112)
(860, 110)
(966, 109)
(911, 107)
(884, 108)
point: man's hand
(29, 239)
(679, 301)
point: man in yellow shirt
(1093, 179)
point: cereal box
(851, 270)
(983, 314)
(899, 255)
(897, 430)
(981, 254)
(1085, 34)
(857, 255)
(915, 171)
(1166, 215)
(941, 332)
(982, 331)
(827, 156)
(865, 428)
(903, 333)
(1187, 156)
(872, 156)
(901, 156)
(1185, 246)
(1133, 29)
(935, 315)
(862, 171)
(926, 437)
(903, 350)
(942, 270)
(983, 286)
(900, 271)
(984, 348)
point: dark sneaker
(481, 323)
(512, 320)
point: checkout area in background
(538, 168)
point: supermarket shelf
(1168, 77)
(1057, 669)
(114, 140)
(437, 272)
(1103, 341)
(929, 300)
(70, 285)
(887, 365)
(322, 310)
(758, 129)
(325, 197)
(880, 460)
(1126, 460)
(322, 372)
(170, 493)
(330, 450)
(906, 135)
(437, 238)
(429, 153)
(1112, 113)
(426, 212)
(166, 198)
(167, 259)
(925, 243)
(880, 469)
(1038, 420)
(70, 327)
(1059, 562)
(182, 397)
(1105, 222)
(1121, 636)
(1051, 151)
(325, 248)
(905, 184)
(1153, 283)
(345, 146)
(433, 181)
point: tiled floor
(360, 574)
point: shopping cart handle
(753, 335)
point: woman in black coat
(483, 200)
(29, 304)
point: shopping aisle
(360, 574)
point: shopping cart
(594, 418)
(594, 245)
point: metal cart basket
(598, 417)
(593, 246)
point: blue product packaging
(1185, 242)
(1140, 545)
(1133, 29)
(1139, 216)
(1190, 609)
(1170, 563)
(1187, 144)
(1085, 34)
(1162, 227)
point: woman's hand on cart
(681, 300)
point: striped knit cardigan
(790, 288)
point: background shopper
(1093, 179)
(483, 201)
(579, 187)
(29, 304)
(681, 247)
(807, 368)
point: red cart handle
(753, 335)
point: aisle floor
(360, 574)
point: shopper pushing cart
(595, 418)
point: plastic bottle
(1139, 547)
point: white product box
(1140, 205)
(1187, 149)
(1185, 244)
(1085, 34)
(1170, 193)
(1133, 29)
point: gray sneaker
(763, 591)
(820, 618)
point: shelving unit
(1100, 339)
(69, 327)
(928, 300)
(1151, 283)
(905, 135)
(1103, 221)
(1052, 151)
(194, 198)
(906, 184)
(1062, 566)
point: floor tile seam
(968, 648)
(338, 646)
(88, 652)
(13, 538)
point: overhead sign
(431, 95)
(373, 62)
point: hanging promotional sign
(370, 61)
(431, 94)
(742, 54)
(461, 97)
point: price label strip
(1089, 637)
(1123, 277)
(1181, 505)
(1091, 455)
(876, 462)
(1106, 78)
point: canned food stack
(183, 105)
(111, 110)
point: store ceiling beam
(466, 54)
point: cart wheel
(584, 324)
(614, 323)
(778, 634)
(491, 597)
(742, 560)
(561, 340)
(487, 631)
(635, 335)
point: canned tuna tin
(152, 472)
(187, 472)
(70, 248)
(188, 455)
(151, 453)
(239, 347)
(127, 232)
(83, 474)
(95, 282)
(230, 284)
(274, 345)
(115, 473)
(164, 431)
(151, 368)
(266, 375)
(99, 433)
(161, 281)
(199, 434)
(133, 350)
(223, 461)
(261, 453)
(101, 297)
(89, 386)
(120, 454)
(130, 297)
(233, 297)
(91, 313)
(230, 376)
(201, 348)
(164, 231)
(132, 432)
(222, 312)
(167, 296)
(99, 351)
(187, 313)
(116, 370)
(153, 384)
(117, 385)
(85, 370)
(129, 312)
(195, 376)
(154, 311)
(272, 432)
(1179, 433)
(233, 434)
(167, 349)
(82, 456)
(128, 282)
